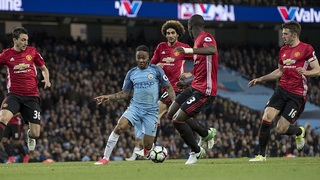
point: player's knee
(281, 129)
(119, 129)
(4, 119)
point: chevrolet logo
(21, 66)
(289, 61)
(168, 59)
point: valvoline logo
(299, 14)
(204, 8)
(287, 15)
(127, 8)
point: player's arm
(45, 74)
(156, 57)
(115, 96)
(170, 90)
(277, 73)
(315, 69)
(207, 50)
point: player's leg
(10, 106)
(31, 113)
(16, 141)
(138, 142)
(273, 108)
(6, 144)
(163, 108)
(122, 125)
(294, 107)
(149, 121)
(178, 118)
(129, 118)
(189, 99)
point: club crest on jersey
(5, 105)
(296, 54)
(176, 53)
(150, 76)
(29, 57)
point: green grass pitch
(213, 169)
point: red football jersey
(174, 62)
(205, 66)
(291, 58)
(21, 71)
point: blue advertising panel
(141, 9)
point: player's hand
(302, 71)
(47, 84)
(253, 82)
(184, 76)
(182, 84)
(160, 65)
(179, 49)
(101, 99)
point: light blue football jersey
(146, 85)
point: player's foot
(31, 142)
(102, 161)
(300, 141)
(10, 160)
(208, 141)
(26, 158)
(132, 158)
(141, 153)
(258, 158)
(193, 157)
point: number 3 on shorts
(36, 115)
(191, 100)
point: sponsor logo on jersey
(143, 85)
(168, 59)
(289, 61)
(21, 66)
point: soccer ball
(158, 154)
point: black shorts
(13, 131)
(290, 105)
(193, 101)
(166, 99)
(28, 106)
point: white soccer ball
(158, 154)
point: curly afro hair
(176, 25)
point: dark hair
(293, 26)
(197, 20)
(143, 48)
(176, 25)
(17, 31)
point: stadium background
(89, 45)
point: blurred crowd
(75, 128)
(299, 3)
